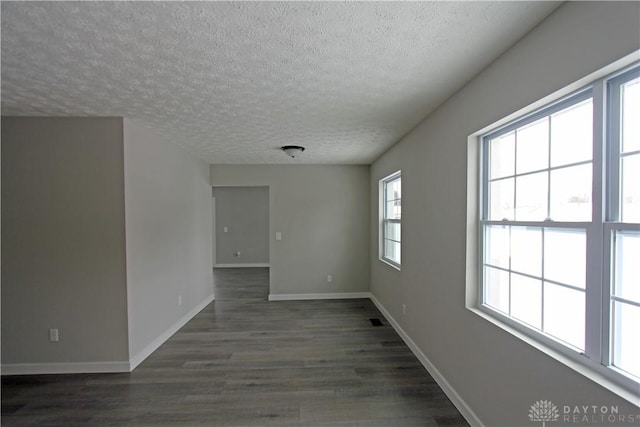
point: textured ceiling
(233, 81)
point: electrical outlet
(329, 278)
(404, 309)
(53, 335)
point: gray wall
(244, 212)
(168, 222)
(323, 215)
(496, 374)
(63, 243)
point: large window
(560, 225)
(391, 192)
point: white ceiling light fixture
(292, 151)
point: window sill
(390, 264)
(597, 373)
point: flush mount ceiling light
(292, 150)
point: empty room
(320, 213)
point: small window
(391, 201)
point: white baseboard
(455, 398)
(248, 265)
(293, 297)
(103, 367)
(64, 368)
(153, 346)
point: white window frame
(384, 182)
(612, 223)
(594, 361)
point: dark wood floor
(244, 361)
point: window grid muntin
(614, 152)
(553, 282)
(542, 278)
(565, 103)
(549, 192)
(621, 184)
(562, 104)
(391, 221)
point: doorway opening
(241, 250)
